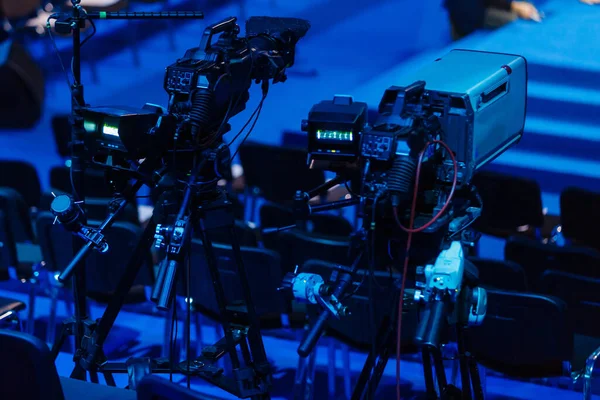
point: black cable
(256, 110)
(350, 190)
(356, 289)
(57, 52)
(251, 129)
(91, 34)
(237, 101)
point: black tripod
(204, 210)
(375, 364)
(71, 24)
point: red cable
(410, 230)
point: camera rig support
(447, 295)
(206, 87)
(72, 24)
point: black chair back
(246, 233)
(524, 335)
(27, 369)
(358, 328)
(103, 269)
(275, 215)
(8, 248)
(296, 247)
(277, 171)
(509, 202)
(17, 214)
(499, 274)
(536, 257)
(582, 295)
(96, 208)
(580, 216)
(264, 274)
(95, 182)
(294, 139)
(61, 130)
(22, 177)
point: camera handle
(227, 25)
(314, 334)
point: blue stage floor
(140, 335)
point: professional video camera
(179, 152)
(415, 164)
(206, 87)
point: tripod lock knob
(161, 235)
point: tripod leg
(220, 295)
(300, 379)
(440, 372)
(464, 364)
(331, 374)
(428, 374)
(471, 364)
(255, 340)
(309, 393)
(364, 376)
(378, 372)
(127, 280)
(94, 377)
(188, 325)
(64, 332)
(80, 297)
(478, 393)
(347, 373)
(110, 380)
(51, 330)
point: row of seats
(293, 250)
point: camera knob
(66, 211)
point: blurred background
(545, 192)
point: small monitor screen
(110, 130)
(334, 136)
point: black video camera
(206, 87)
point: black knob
(67, 212)
(288, 281)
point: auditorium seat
(524, 335)
(499, 274)
(296, 247)
(22, 177)
(536, 257)
(28, 372)
(273, 215)
(580, 217)
(511, 205)
(276, 172)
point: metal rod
(334, 205)
(146, 15)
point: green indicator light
(89, 126)
(102, 14)
(110, 130)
